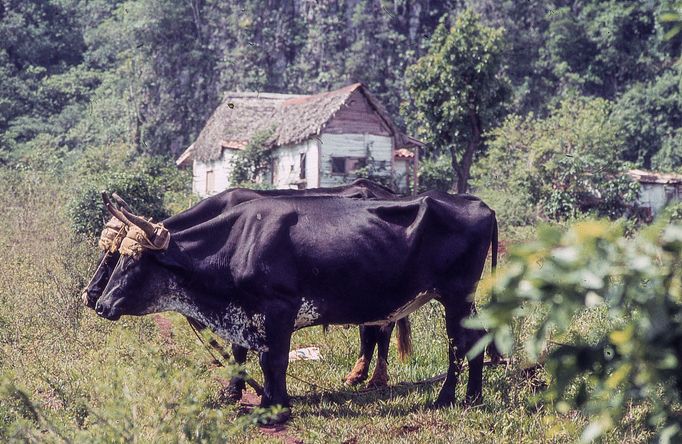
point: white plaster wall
(286, 160)
(221, 174)
(351, 145)
(654, 196)
(400, 174)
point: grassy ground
(67, 375)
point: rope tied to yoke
(136, 241)
(112, 235)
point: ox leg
(460, 341)
(368, 340)
(274, 363)
(237, 384)
(380, 375)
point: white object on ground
(305, 354)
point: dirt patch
(165, 327)
(280, 432)
(251, 400)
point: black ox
(262, 269)
(371, 337)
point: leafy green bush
(436, 174)
(636, 283)
(249, 165)
(376, 172)
(152, 185)
(562, 165)
(88, 214)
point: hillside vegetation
(539, 107)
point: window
(210, 181)
(345, 165)
(301, 166)
(338, 165)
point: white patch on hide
(307, 315)
(232, 323)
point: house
(657, 189)
(316, 140)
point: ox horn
(113, 210)
(141, 223)
(121, 203)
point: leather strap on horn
(137, 241)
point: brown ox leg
(380, 375)
(368, 340)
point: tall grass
(68, 376)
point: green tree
(600, 48)
(456, 92)
(40, 42)
(525, 24)
(650, 114)
(559, 166)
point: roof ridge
(259, 95)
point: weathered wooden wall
(351, 145)
(358, 117)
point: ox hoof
(352, 379)
(230, 395)
(234, 396)
(444, 402)
(359, 372)
(380, 376)
(473, 401)
(378, 382)
(279, 418)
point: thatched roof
(294, 118)
(185, 159)
(642, 176)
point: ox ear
(173, 257)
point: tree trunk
(462, 167)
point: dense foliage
(545, 102)
(635, 284)
(147, 74)
(559, 166)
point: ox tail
(492, 350)
(404, 338)
(495, 245)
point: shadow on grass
(512, 391)
(350, 403)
